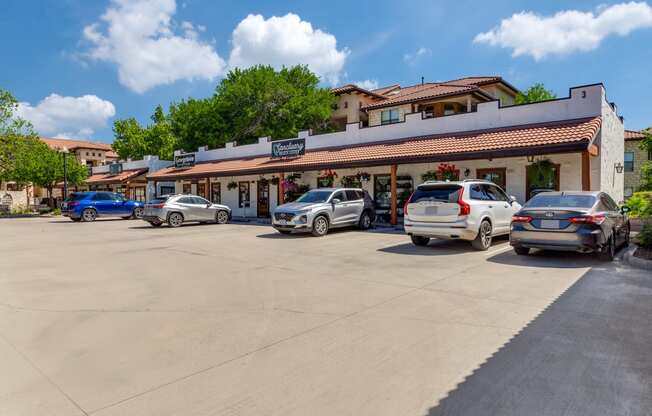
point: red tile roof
(75, 144)
(634, 135)
(344, 89)
(569, 135)
(107, 178)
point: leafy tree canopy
(535, 93)
(15, 136)
(134, 141)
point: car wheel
(483, 239)
(175, 219)
(418, 240)
(88, 215)
(522, 251)
(320, 226)
(138, 213)
(365, 221)
(222, 217)
(155, 223)
(609, 251)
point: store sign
(115, 168)
(289, 148)
(184, 161)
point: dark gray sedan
(586, 222)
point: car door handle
(491, 206)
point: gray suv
(177, 209)
(320, 209)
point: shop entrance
(263, 199)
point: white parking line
(498, 250)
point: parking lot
(119, 318)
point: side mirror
(625, 209)
(512, 199)
(208, 205)
(335, 201)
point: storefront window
(139, 193)
(187, 188)
(243, 195)
(495, 175)
(167, 190)
(216, 193)
(201, 189)
(383, 193)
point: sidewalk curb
(634, 261)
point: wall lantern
(619, 167)
(530, 158)
(467, 172)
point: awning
(108, 179)
(555, 137)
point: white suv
(472, 210)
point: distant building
(634, 159)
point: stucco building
(635, 157)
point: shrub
(56, 211)
(640, 204)
(644, 237)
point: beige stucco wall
(633, 179)
(375, 115)
(506, 97)
(352, 110)
(611, 141)
(92, 156)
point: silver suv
(320, 209)
(177, 209)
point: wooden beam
(586, 171)
(207, 189)
(281, 190)
(394, 197)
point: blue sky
(78, 65)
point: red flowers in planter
(328, 173)
(447, 171)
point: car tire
(365, 221)
(88, 215)
(320, 226)
(175, 219)
(138, 213)
(522, 251)
(609, 251)
(155, 223)
(482, 241)
(221, 217)
(420, 241)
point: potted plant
(447, 172)
(274, 181)
(231, 185)
(430, 175)
(327, 177)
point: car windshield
(315, 196)
(75, 197)
(435, 193)
(546, 200)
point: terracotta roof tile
(107, 178)
(634, 135)
(463, 145)
(75, 144)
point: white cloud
(139, 37)
(568, 31)
(413, 58)
(367, 84)
(286, 41)
(71, 117)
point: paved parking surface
(117, 318)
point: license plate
(549, 224)
(431, 210)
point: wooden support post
(393, 198)
(281, 190)
(586, 171)
(207, 189)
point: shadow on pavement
(69, 221)
(588, 353)
(438, 247)
(275, 235)
(541, 258)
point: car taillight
(465, 209)
(405, 207)
(521, 218)
(157, 205)
(588, 219)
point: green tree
(646, 168)
(134, 141)
(535, 93)
(16, 135)
(197, 123)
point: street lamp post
(65, 172)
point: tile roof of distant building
(634, 135)
(70, 144)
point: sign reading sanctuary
(184, 161)
(289, 148)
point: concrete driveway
(118, 318)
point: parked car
(321, 209)
(177, 209)
(472, 210)
(586, 222)
(87, 206)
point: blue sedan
(87, 206)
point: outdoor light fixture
(619, 167)
(530, 158)
(467, 172)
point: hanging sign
(289, 148)
(184, 161)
